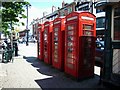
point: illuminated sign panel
(72, 18)
(87, 18)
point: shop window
(116, 32)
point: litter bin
(7, 54)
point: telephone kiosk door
(70, 49)
(58, 43)
(87, 39)
(47, 38)
(79, 46)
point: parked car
(99, 53)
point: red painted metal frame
(78, 42)
(47, 38)
(41, 44)
(58, 43)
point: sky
(38, 7)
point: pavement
(26, 71)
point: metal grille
(116, 61)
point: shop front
(111, 67)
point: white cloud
(37, 12)
(34, 13)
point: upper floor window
(84, 8)
(100, 22)
(99, 10)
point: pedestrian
(16, 49)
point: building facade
(111, 70)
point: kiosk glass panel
(71, 36)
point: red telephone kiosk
(80, 35)
(58, 43)
(47, 38)
(40, 41)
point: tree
(11, 13)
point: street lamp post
(27, 30)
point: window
(87, 27)
(70, 10)
(100, 22)
(71, 27)
(99, 10)
(116, 33)
(84, 8)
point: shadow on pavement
(58, 79)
